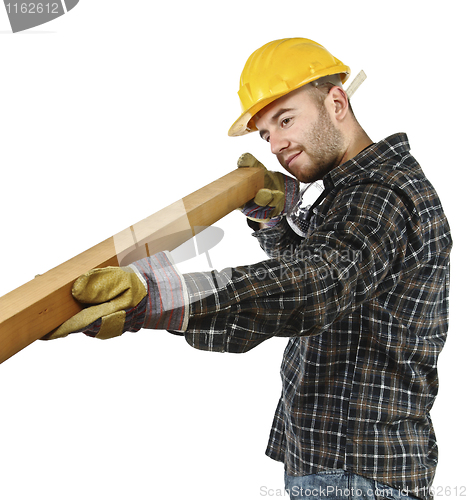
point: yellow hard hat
(278, 68)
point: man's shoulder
(388, 162)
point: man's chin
(313, 175)
(307, 177)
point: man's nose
(278, 143)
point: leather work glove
(146, 294)
(279, 194)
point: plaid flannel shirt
(364, 300)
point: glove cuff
(272, 222)
(291, 194)
(167, 303)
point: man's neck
(357, 144)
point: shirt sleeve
(278, 239)
(356, 253)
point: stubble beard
(325, 147)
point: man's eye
(285, 121)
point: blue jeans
(339, 485)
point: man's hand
(280, 193)
(147, 294)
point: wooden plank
(41, 305)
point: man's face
(301, 135)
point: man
(358, 281)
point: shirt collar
(396, 144)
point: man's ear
(338, 101)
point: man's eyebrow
(279, 113)
(275, 117)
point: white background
(119, 108)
